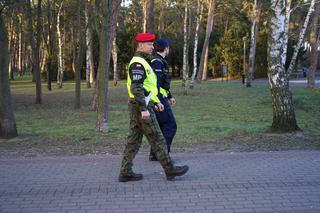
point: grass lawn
(214, 116)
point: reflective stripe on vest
(149, 84)
(162, 91)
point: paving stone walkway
(260, 182)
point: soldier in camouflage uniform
(142, 90)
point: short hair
(159, 49)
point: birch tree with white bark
(60, 47)
(196, 39)
(284, 118)
(115, 60)
(89, 53)
(185, 49)
(286, 27)
(301, 38)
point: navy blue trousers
(167, 122)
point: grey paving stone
(256, 182)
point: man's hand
(145, 115)
(172, 101)
(159, 107)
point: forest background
(66, 37)
(232, 23)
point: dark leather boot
(176, 171)
(130, 177)
(152, 156)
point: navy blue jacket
(161, 68)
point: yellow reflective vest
(164, 92)
(149, 84)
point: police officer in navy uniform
(143, 91)
(166, 119)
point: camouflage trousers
(150, 128)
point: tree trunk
(286, 28)
(50, 46)
(79, 53)
(37, 71)
(11, 47)
(255, 42)
(188, 43)
(185, 49)
(94, 100)
(314, 47)
(205, 64)
(74, 49)
(244, 39)
(161, 26)
(35, 48)
(252, 44)
(20, 47)
(115, 61)
(284, 119)
(96, 21)
(196, 38)
(148, 16)
(145, 15)
(204, 55)
(301, 37)
(43, 58)
(109, 10)
(60, 51)
(25, 61)
(89, 55)
(14, 51)
(88, 41)
(49, 69)
(8, 127)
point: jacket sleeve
(169, 94)
(137, 76)
(157, 67)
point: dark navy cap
(162, 43)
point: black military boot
(130, 177)
(176, 171)
(152, 156)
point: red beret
(144, 37)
